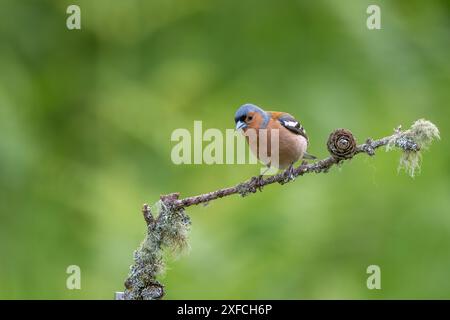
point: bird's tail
(306, 155)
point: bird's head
(250, 116)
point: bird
(292, 138)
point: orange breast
(290, 146)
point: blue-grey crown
(243, 110)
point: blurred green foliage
(85, 124)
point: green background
(85, 124)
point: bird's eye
(249, 118)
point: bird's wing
(290, 123)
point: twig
(258, 183)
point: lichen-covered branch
(168, 230)
(170, 227)
(342, 146)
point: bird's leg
(257, 181)
(289, 174)
(267, 169)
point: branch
(258, 183)
(171, 226)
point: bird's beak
(240, 125)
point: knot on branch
(341, 144)
(169, 200)
(369, 147)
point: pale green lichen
(423, 132)
(174, 229)
(170, 231)
(412, 141)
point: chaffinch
(292, 138)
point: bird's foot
(289, 175)
(256, 182)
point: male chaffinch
(292, 138)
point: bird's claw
(257, 182)
(289, 175)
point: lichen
(424, 132)
(174, 229)
(168, 232)
(412, 141)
